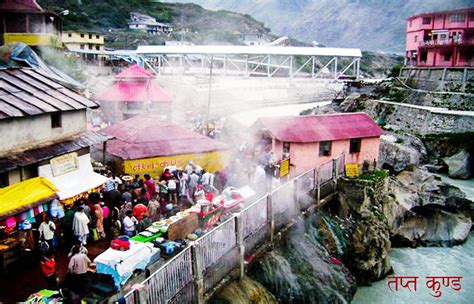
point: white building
(148, 24)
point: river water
(428, 261)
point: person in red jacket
(48, 267)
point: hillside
(110, 17)
(367, 24)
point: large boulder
(399, 152)
(426, 211)
(369, 245)
(433, 226)
(459, 165)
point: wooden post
(104, 152)
(240, 244)
(198, 279)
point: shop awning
(25, 195)
(76, 182)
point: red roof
(146, 137)
(20, 5)
(134, 72)
(135, 91)
(315, 128)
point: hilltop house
(148, 24)
(441, 39)
(25, 21)
(309, 141)
(83, 40)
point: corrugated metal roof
(135, 71)
(27, 157)
(247, 50)
(315, 128)
(146, 136)
(27, 92)
(20, 5)
(146, 91)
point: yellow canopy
(25, 195)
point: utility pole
(209, 98)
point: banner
(64, 164)
(210, 161)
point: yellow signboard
(284, 167)
(352, 170)
(64, 164)
(210, 161)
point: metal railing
(203, 265)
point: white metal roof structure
(247, 50)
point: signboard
(210, 161)
(209, 220)
(352, 170)
(179, 230)
(285, 167)
(64, 164)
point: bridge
(245, 61)
(217, 257)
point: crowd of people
(126, 206)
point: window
(15, 23)
(82, 35)
(416, 38)
(90, 46)
(324, 148)
(447, 56)
(97, 36)
(355, 145)
(35, 23)
(90, 36)
(286, 149)
(426, 20)
(82, 46)
(97, 48)
(56, 121)
(443, 37)
(456, 18)
(4, 179)
(69, 35)
(471, 17)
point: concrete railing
(219, 254)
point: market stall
(231, 200)
(73, 176)
(20, 203)
(121, 264)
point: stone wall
(431, 79)
(416, 120)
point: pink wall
(305, 156)
(411, 45)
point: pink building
(441, 39)
(134, 92)
(310, 141)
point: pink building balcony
(446, 42)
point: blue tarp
(16, 55)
